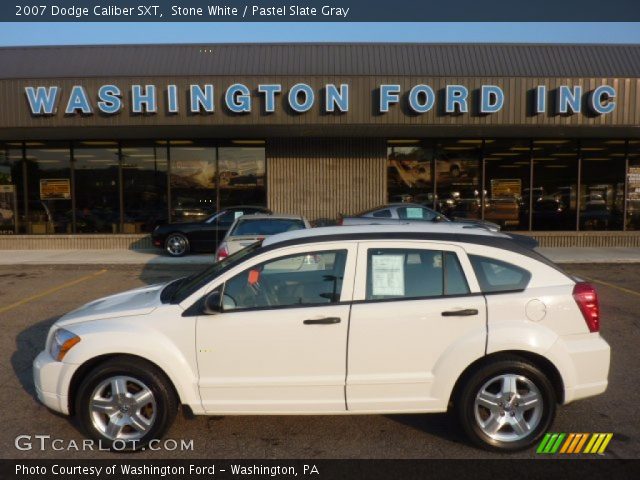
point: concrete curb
(154, 257)
(98, 257)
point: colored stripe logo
(553, 443)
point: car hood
(139, 301)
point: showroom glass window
(241, 175)
(457, 169)
(602, 184)
(96, 171)
(49, 188)
(409, 172)
(11, 189)
(14, 155)
(633, 187)
(144, 184)
(193, 180)
(507, 172)
(555, 183)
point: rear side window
(416, 213)
(382, 214)
(412, 273)
(267, 226)
(498, 276)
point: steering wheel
(262, 290)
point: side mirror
(213, 303)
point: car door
(414, 303)
(280, 341)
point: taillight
(222, 253)
(587, 299)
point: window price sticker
(387, 275)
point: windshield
(266, 226)
(179, 290)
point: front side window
(498, 276)
(181, 289)
(313, 278)
(413, 273)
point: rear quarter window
(498, 276)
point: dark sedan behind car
(178, 239)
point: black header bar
(320, 11)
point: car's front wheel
(506, 405)
(125, 403)
(177, 245)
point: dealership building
(100, 142)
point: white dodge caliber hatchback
(340, 320)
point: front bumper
(52, 379)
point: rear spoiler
(523, 240)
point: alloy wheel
(508, 407)
(122, 408)
(176, 245)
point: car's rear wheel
(125, 403)
(506, 405)
(177, 245)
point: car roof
(236, 207)
(262, 216)
(403, 204)
(396, 204)
(375, 231)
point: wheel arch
(542, 363)
(186, 235)
(94, 362)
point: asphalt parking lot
(33, 297)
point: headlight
(61, 342)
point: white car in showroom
(385, 319)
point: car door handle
(467, 312)
(322, 321)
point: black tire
(166, 403)
(465, 407)
(177, 237)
